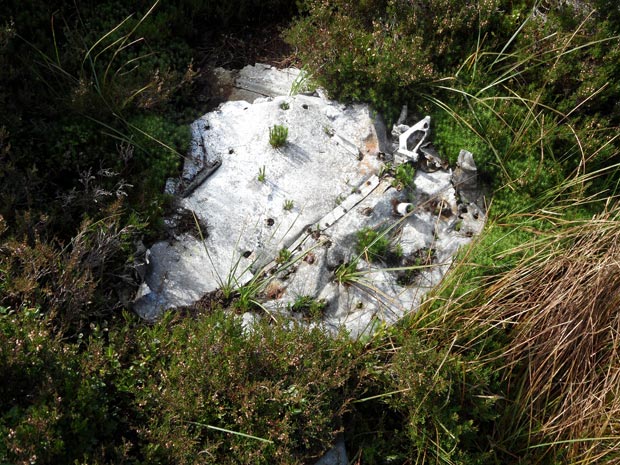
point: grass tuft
(559, 306)
(278, 135)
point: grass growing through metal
(303, 82)
(284, 256)
(278, 135)
(309, 307)
(262, 177)
(373, 245)
(346, 273)
(404, 175)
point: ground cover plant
(513, 359)
(278, 135)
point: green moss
(278, 135)
(160, 144)
(377, 245)
(404, 175)
(311, 308)
(372, 244)
(284, 256)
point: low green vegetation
(377, 245)
(512, 360)
(278, 135)
(309, 307)
(404, 175)
(284, 255)
(262, 177)
(372, 244)
(346, 273)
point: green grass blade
(236, 433)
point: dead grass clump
(561, 306)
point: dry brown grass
(561, 308)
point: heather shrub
(71, 284)
(384, 52)
(423, 401)
(212, 383)
(61, 404)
